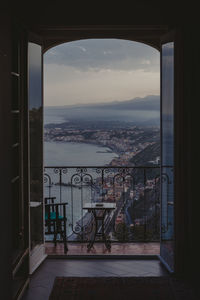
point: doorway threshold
(139, 250)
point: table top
(99, 205)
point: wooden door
(167, 151)
(35, 96)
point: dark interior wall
(70, 13)
(5, 150)
(188, 229)
(187, 153)
(191, 98)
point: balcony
(132, 228)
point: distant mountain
(146, 103)
(151, 102)
(140, 111)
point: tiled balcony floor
(42, 280)
(152, 248)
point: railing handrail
(111, 167)
(124, 185)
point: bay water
(58, 154)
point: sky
(100, 70)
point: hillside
(150, 153)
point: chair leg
(65, 243)
(65, 237)
(62, 232)
(55, 234)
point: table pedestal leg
(91, 243)
(105, 240)
(102, 234)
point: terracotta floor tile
(100, 249)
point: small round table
(94, 208)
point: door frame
(173, 35)
(180, 184)
(37, 254)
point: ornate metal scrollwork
(107, 184)
(47, 179)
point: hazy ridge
(141, 111)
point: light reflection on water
(75, 154)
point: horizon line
(103, 103)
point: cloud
(82, 48)
(91, 71)
(146, 62)
(104, 53)
(67, 86)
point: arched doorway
(105, 86)
(166, 206)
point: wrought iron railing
(135, 190)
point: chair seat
(52, 216)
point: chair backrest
(49, 200)
(54, 214)
(55, 211)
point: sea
(59, 115)
(76, 154)
(68, 154)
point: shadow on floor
(42, 280)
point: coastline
(110, 149)
(113, 150)
(85, 220)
